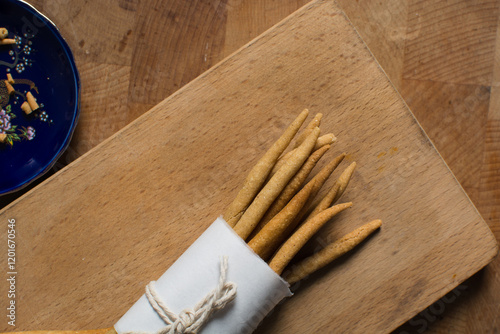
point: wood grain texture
(117, 217)
(248, 19)
(449, 49)
(167, 61)
(92, 331)
(383, 26)
(451, 102)
(447, 41)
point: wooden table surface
(442, 56)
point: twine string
(192, 320)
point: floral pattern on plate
(12, 97)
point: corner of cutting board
(492, 239)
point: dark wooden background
(443, 57)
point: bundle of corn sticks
(276, 211)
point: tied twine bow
(191, 320)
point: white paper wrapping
(197, 272)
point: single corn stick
(7, 41)
(316, 121)
(26, 108)
(260, 171)
(326, 171)
(32, 101)
(3, 136)
(292, 187)
(319, 180)
(292, 246)
(10, 79)
(263, 244)
(273, 188)
(327, 139)
(343, 181)
(281, 161)
(9, 87)
(331, 252)
(335, 192)
(3, 33)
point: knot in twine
(191, 320)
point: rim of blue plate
(76, 112)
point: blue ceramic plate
(40, 62)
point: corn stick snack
(316, 121)
(331, 252)
(335, 192)
(321, 141)
(320, 180)
(325, 173)
(10, 79)
(281, 161)
(260, 171)
(343, 181)
(292, 187)
(264, 242)
(291, 247)
(273, 188)
(327, 139)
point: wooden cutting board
(92, 236)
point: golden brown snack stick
(264, 243)
(260, 171)
(7, 41)
(335, 192)
(10, 79)
(292, 246)
(292, 187)
(3, 33)
(343, 181)
(331, 252)
(316, 121)
(320, 180)
(327, 139)
(273, 188)
(282, 160)
(316, 182)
